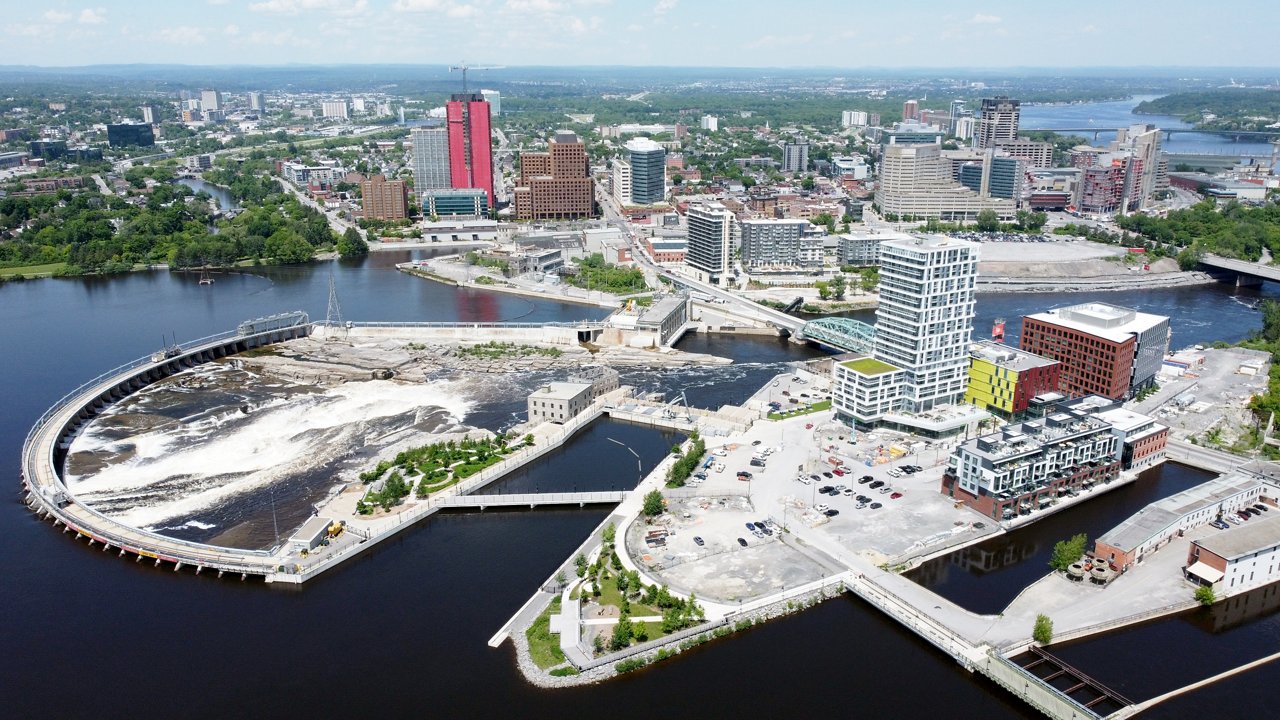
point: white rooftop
(1110, 322)
(561, 390)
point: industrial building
(1240, 558)
(1159, 523)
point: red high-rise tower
(470, 146)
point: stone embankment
(1143, 281)
(664, 648)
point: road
(743, 306)
(103, 187)
(339, 225)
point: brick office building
(1104, 349)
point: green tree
(988, 221)
(824, 289)
(1270, 320)
(653, 504)
(1066, 552)
(677, 179)
(580, 563)
(622, 632)
(808, 183)
(837, 286)
(1043, 631)
(1204, 595)
(351, 244)
(609, 533)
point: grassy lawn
(816, 407)
(32, 270)
(544, 647)
(869, 366)
(609, 595)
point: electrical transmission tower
(333, 316)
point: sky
(739, 33)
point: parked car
(751, 526)
(822, 507)
(886, 490)
(895, 496)
(698, 541)
(847, 492)
(1262, 507)
(1220, 525)
(804, 479)
(742, 542)
(839, 471)
(860, 505)
(832, 512)
(815, 478)
(875, 484)
(863, 499)
(827, 475)
(876, 506)
(865, 479)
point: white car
(821, 507)
(804, 479)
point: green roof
(869, 366)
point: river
(404, 627)
(1119, 113)
(221, 194)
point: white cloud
(578, 26)
(543, 6)
(462, 11)
(295, 7)
(981, 19)
(665, 6)
(92, 16)
(1089, 29)
(231, 29)
(417, 5)
(57, 16)
(181, 35)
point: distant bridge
(532, 500)
(1168, 132)
(840, 333)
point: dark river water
(402, 630)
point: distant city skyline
(708, 33)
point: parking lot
(721, 568)
(780, 460)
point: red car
(808, 426)
(838, 471)
(895, 496)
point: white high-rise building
(494, 98)
(853, 118)
(713, 230)
(358, 105)
(340, 109)
(430, 158)
(210, 100)
(257, 101)
(924, 324)
(709, 122)
(150, 114)
(620, 181)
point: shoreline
(993, 284)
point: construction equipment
(464, 67)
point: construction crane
(465, 67)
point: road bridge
(1240, 272)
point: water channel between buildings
(416, 612)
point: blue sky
(778, 33)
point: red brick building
(1104, 349)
